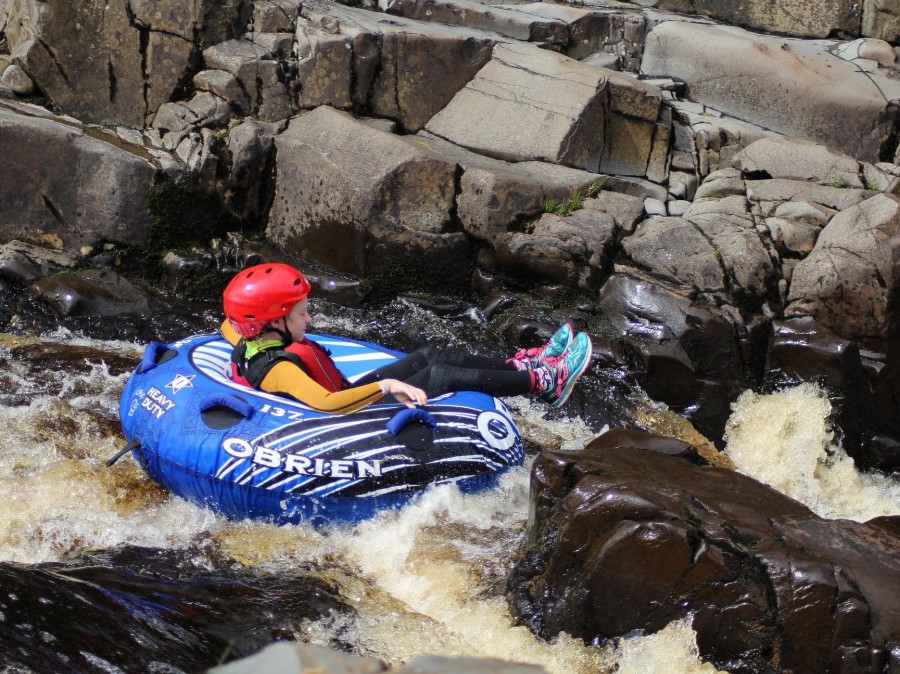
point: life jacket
(313, 359)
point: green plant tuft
(575, 200)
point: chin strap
(283, 334)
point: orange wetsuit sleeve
(285, 377)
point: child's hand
(406, 393)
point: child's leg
(422, 358)
(437, 372)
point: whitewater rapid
(425, 579)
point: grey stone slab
(785, 85)
(501, 20)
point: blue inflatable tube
(249, 454)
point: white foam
(785, 440)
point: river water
(425, 579)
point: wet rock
(625, 538)
(521, 329)
(91, 292)
(770, 80)
(387, 202)
(25, 262)
(568, 113)
(344, 291)
(181, 268)
(295, 658)
(74, 190)
(139, 607)
(847, 281)
(864, 404)
(437, 664)
(683, 353)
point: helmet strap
(284, 334)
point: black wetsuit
(437, 371)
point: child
(267, 314)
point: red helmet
(260, 294)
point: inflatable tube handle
(403, 417)
(233, 403)
(151, 354)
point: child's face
(298, 319)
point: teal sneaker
(531, 359)
(566, 370)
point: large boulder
(785, 17)
(115, 62)
(195, 605)
(731, 229)
(91, 292)
(573, 249)
(398, 68)
(771, 195)
(247, 189)
(850, 282)
(705, 140)
(881, 19)
(564, 112)
(360, 200)
(63, 187)
(676, 250)
(260, 74)
(693, 356)
(506, 21)
(796, 88)
(794, 159)
(631, 533)
(496, 196)
(862, 385)
(26, 262)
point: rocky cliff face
(618, 149)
